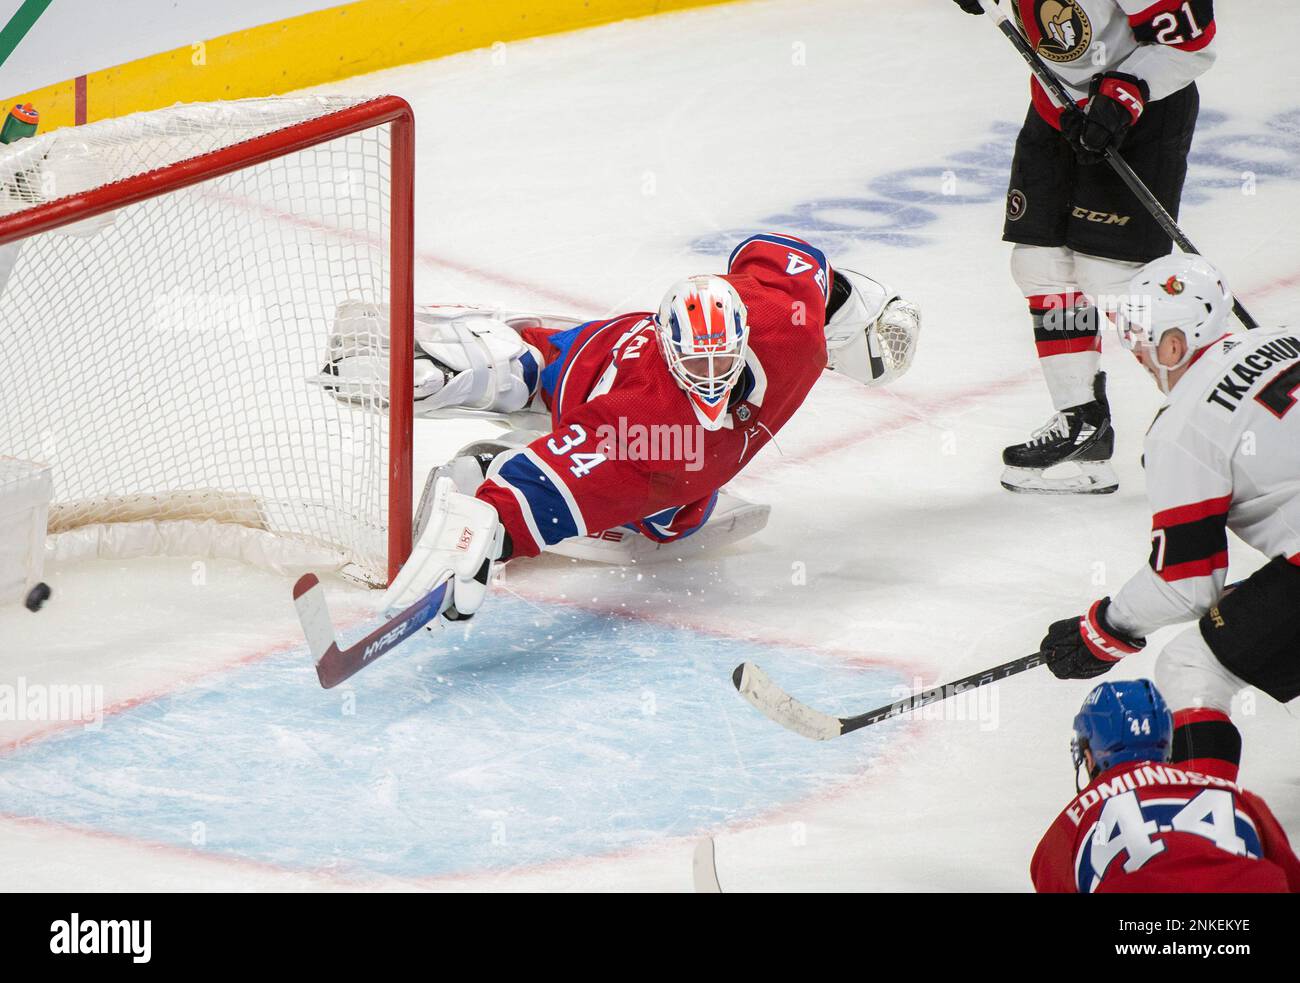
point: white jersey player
(1223, 454)
(1079, 232)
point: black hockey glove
(970, 6)
(1086, 646)
(1115, 103)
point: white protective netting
(162, 357)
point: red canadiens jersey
(1143, 827)
(627, 447)
(1166, 43)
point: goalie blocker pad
(460, 535)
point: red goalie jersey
(627, 448)
(1147, 827)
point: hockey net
(168, 283)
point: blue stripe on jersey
(562, 341)
(529, 365)
(665, 518)
(747, 384)
(550, 511)
(786, 242)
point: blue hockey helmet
(1123, 721)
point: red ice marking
(928, 411)
(291, 641)
(173, 686)
(425, 256)
(898, 751)
(183, 852)
(1272, 287)
(674, 619)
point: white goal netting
(165, 357)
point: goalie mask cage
(168, 283)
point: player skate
(1079, 231)
(1069, 455)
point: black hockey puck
(37, 596)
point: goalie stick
(776, 704)
(333, 664)
(1056, 89)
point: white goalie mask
(703, 328)
(1180, 292)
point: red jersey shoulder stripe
(1195, 512)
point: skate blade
(1082, 478)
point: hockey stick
(333, 664)
(704, 868)
(1056, 89)
(768, 698)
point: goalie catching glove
(1086, 646)
(871, 332)
(460, 539)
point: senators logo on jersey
(1059, 30)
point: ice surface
(582, 174)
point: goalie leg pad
(492, 369)
(472, 464)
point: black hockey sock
(1064, 329)
(1206, 741)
